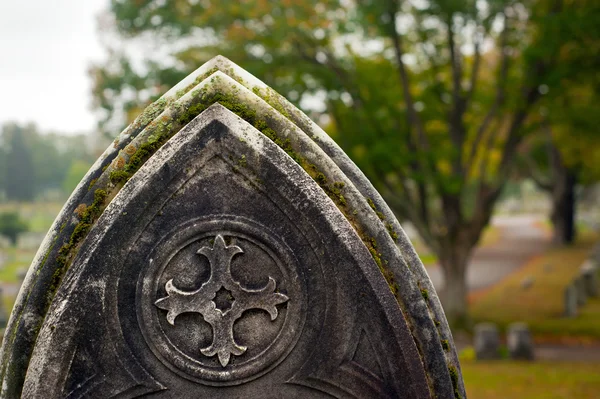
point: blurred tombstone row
(585, 285)
(518, 342)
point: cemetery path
(520, 239)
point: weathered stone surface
(519, 342)
(570, 300)
(231, 250)
(487, 341)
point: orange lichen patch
(119, 163)
(130, 149)
(79, 211)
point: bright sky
(46, 47)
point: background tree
(37, 163)
(11, 226)
(19, 176)
(429, 97)
(564, 150)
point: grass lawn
(535, 380)
(541, 305)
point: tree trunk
(453, 261)
(563, 209)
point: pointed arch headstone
(225, 246)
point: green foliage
(11, 226)
(19, 172)
(36, 163)
(429, 98)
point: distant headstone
(487, 341)
(579, 283)
(570, 300)
(224, 246)
(519, 342)
(589, 275)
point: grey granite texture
(197, 237)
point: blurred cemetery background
(477, 120)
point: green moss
(242, 161)
(321, 179)
(271, 97)
(425, 294)
(150, 112)
(371, 204)
(92, 183)
(391, 231)
(119, 176)
(445, 345)
(454, 377)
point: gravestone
(589, 275)
(487, 341)
(580, 286)
(519, 342)
(225, 246)
(570, 300)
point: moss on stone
(390, 229)
(445, 344)
(454, 377)
(119, 176)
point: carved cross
(201, 301)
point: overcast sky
(46, 47)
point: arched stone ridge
(360, 181)
(368, 224)
(171, 113)
(179, 171)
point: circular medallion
(220, 301)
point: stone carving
(202, 300)
(178, 258)
(143, 294)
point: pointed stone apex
(223, 155)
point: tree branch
(455, 117)
(413, 118)
(475, 70)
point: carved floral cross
(201, 301)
